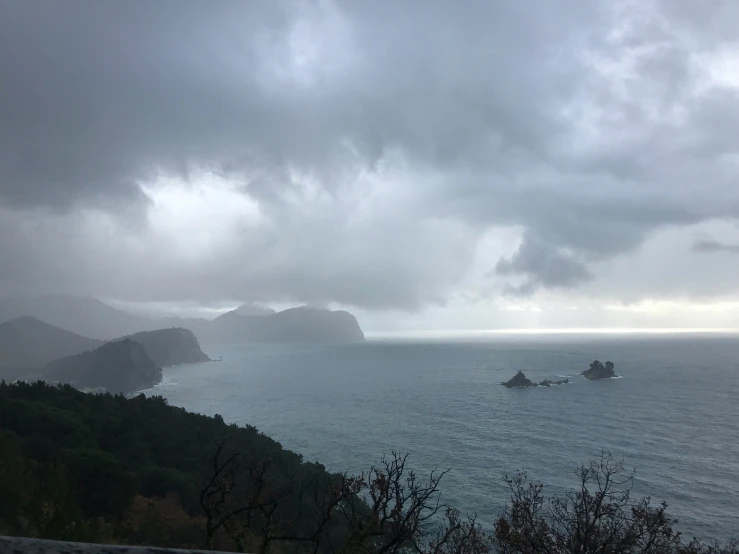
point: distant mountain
(295, 325)
(27, 342)
(170, 346)
(195, 324)
(85, 316)
(121, 366)
(248, 323)
(254, 309)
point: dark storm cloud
(583, 124)
(104, 93)
(97, 95)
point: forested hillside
(106, 468)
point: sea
(672, 415)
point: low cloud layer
(385, 156)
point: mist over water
(674, 414)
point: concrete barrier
(22, 545)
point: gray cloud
(542, 265)
(709, 245)
(379, 141)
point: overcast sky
(426, 164)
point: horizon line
(556, 331)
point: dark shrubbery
(598, 516)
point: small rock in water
(599, 371)
(519, 380)
(548, 383)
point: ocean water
(673, 415)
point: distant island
(598, 371)
(295, 325)
(249, 323)
(519, 380)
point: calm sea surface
(673, 416)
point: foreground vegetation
(104, 468)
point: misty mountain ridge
(90, 317)
(254, 309)
(82, 315)
(28, 342)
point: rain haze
(429, 166)
(379, 276)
